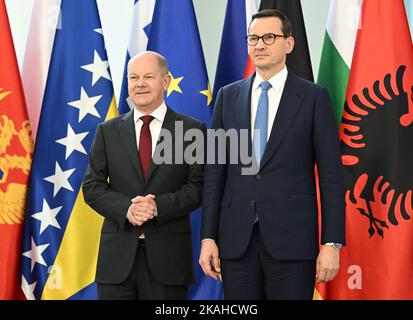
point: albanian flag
(376, 139)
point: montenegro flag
(15, 160)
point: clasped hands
(142, 209)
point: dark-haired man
(261, 230)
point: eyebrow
(146, 74)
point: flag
(138, 42)
(42, 29)
(299, 60)
(336, 56)
(61, 233)
(234, 62)
(233, 54)
(16, 148)
(409, 11)
(175, 35)
(376, 133)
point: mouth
(141, 93)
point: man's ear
(166, 81)
(290, 45)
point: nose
(140, 83)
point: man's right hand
(136, 215)
(209, 259)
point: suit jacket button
(252, 203)
(258, 176)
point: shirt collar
(159, 113)
(277, 81)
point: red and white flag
(376, 139)
(15, 161)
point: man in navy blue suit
(261, 231)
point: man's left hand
(328, 263)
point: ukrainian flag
(61, 233)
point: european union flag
(175, 35)
(61, 233)
(233, 54)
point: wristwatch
(335, 245)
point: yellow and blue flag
(174, 34)
(61, 233)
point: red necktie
(145, 146)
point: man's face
(269, 57)
(147, 83)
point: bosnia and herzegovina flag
(174, 34)
(61, 233)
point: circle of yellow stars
(174, 86)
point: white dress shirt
(274, 97)
(155, 126)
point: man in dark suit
(145, 248)
(261, 230)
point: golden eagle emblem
(16, 148)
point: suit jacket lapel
(242, 105)
(128, 136)
(290, 102)
(168, 124)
